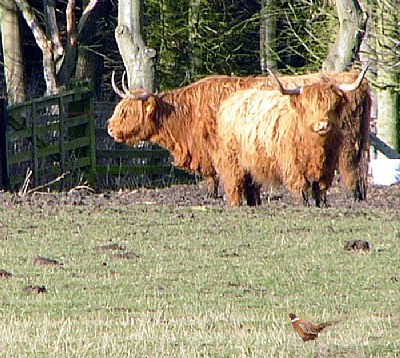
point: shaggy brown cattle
(292, 137)
(184, 121)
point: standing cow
(184, 122)
(290, 136)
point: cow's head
(319, 104)
(133, 119)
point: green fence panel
(51, 136)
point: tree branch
(353, 22)
(85, 17)
(67, 66)
(52, 29)
(43, 43)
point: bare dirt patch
(379, 197)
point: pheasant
(307, 330)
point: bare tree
(12, 53)
(193, 25)
(352, 25)
(138, 58)
(268, 34)
(43, 43)
(91, 49)
(58, 62)
(387, 34)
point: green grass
(208, 282)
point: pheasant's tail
(323, 325)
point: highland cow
(184, 122)
(291, 136)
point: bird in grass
(308, 331)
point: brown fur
(184, 122)
(277, 139)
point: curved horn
(353, 86)
(115, 88)
(283, 90)
(124, 85)
(127, 94)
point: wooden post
(5, 168)
(35, 158)
(81, 105)
(62, 119)
(90, 132)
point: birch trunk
(388, 125)
(137, 57)
(352, 25)
(267, 36)
(195, 51)
(12, 53)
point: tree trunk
(89, 63)
(44, 45)
(52, 32)
(388, 110)
(267, 36)
(195, 51)
(68, 63)
(388, 125)
(352, 25)
(12, 52)
(138, 59)
(50, 46)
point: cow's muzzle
(322, 127)
(114, 135)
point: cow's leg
(212, 183)
(323, 190)
(353, 175)
(316, 193)
(318, 190)
(234, 184)
(360, 190)
(257, 194)
(234, 195)
(305, 197)
(299, 187)
(252, 191)
(232, 176)
(354, 160)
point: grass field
(204, 281)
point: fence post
(35, 158)
(62, 128)
(82, 104)
(91, 133)
(5, 168)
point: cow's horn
(124, 85)
(353, 86)
(115, 88)
(283, 90)
(126, 93)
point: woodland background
(49, 46)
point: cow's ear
(150, 105)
